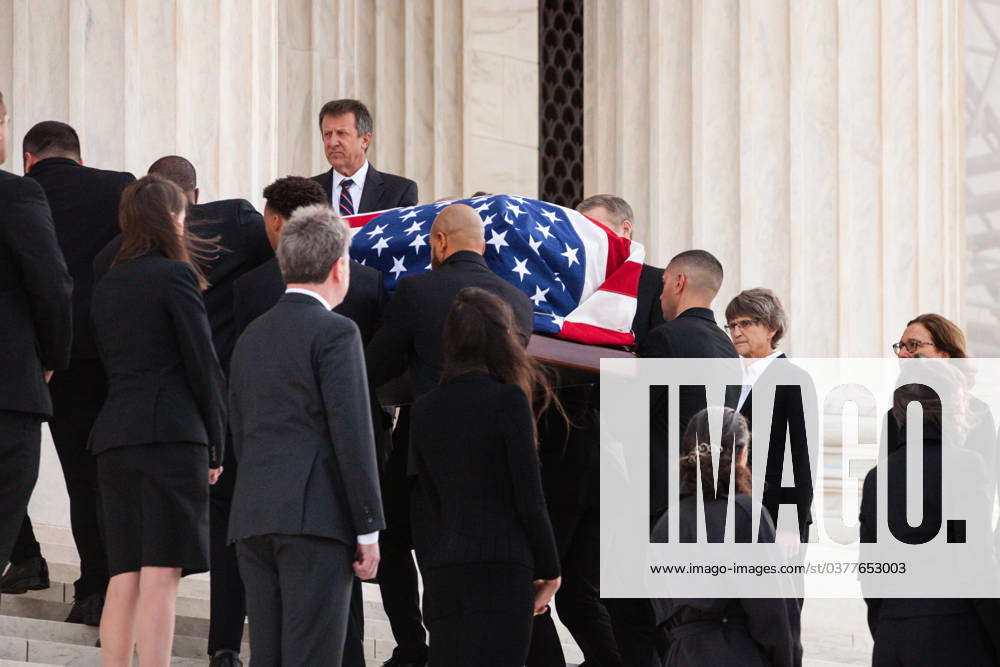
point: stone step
(36, 651)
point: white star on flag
(514, 209)
(379, 229)
(488, 220)
(570, 254)
(519, 200)
(558, 321)
(535, 245)
(442, 204)
(551, 216)
(555, 276)
(413, 228)
(397, 266)
(430, 265)
(418, 241)
(497, 240)
(410, 214)
(539, 296)
(521, 268)
(481, 207)
(381, 244)
(543, 230)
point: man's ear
(197, 193)
(626, 229)
(366, 140)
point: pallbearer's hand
(544, 590)
(48, 375)
(366, 561)
(214, 474)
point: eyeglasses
(911, 345)
(741, 324)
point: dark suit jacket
(258, 290)
(969, 467)
(648, 314)
(84, 203)
(256, 293)
(788, 416)
(239, 229)
(164, 379)
(35, 297)
(381, 190)
(692, 334)
(411, 333)
(302, 427)
(481, 504)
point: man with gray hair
(615, 213)
(306, 508)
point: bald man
(690, 283)
(410, 339)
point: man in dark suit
(352, 185)
(615, 213)
(259, 290)
(36, 308)
(84, 203)
(238, 229)
(690, 283)
(410, 340)
(307, 503)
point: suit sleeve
(525, 471)
(656, 344)
(387, 353)
(194, 338)
(258, 248)
(344, 386)
(105, 258)
(409, 197)
(30, 234)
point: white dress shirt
(367, 538)
(752, 372)
(355, 190)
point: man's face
(4, 122)
(606, 218)
(345, 150)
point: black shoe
(31, 574)
(87, 611)
(226, 658)
(396, 662)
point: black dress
(480, 526)
(162, 425)
(749, 632)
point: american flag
(581, 276)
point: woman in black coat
(158, 439)
(481, 530)
(750, 632)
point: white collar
(756, 367)
(357, 177)
(309, 292)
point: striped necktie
(346, 205)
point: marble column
(815, 147)
(236, 85)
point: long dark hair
(480, 334)
(147, 215)
(696, 452)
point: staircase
(32, 630)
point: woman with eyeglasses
(750, 632)
(757, 322)
(931, 336)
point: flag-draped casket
(581, 277)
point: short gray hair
(761, 304)
(616, 206)
(312, 240)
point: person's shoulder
(13, 187)
(266, 272)
(323, 177)
(391, 180)
(363, 271)
(110, 176)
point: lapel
(747, 409)
(372, 193)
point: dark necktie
(346, 205)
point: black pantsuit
(20, 440)
(480, 526)
(298, 592)
(35, 310)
